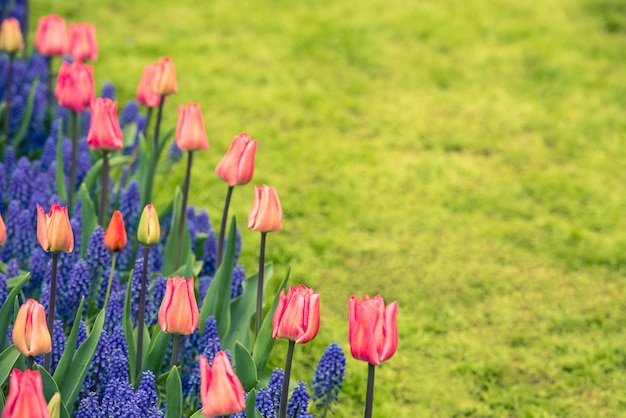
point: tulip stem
(220, 244)
(155, 151)
(7, 106)
(31, 362)
(282, 412)
(148, 118)
(51, 303)
(369, 397)
(73, 162)
(175, 344)
(108, 293)
(104, 188)
(259, 292)
(140, 312)
(183, 210)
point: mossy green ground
(465, 158)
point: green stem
(155, 151)
(104, 188)
(73, 162)
(259, 293)
(282, 412)
(31, 362)
(369, 398)
(183, 211)
(140, 313)
(108, 293)
(148, 118)
(51, 303)
(175, 344)
(220, 244)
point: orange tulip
(190, 134)
(373, 329)
(30, 331)
(178, 313)
(105, 132)
(237, 166)
(115, 235)
(54, 231)
(11, 39)
(164, 81)
(3, 231)
(83, 44)
(74, 88)
(221, 391)
(145, 95)
(25, 398)
(51, 36)
(297, 315)
(266, 214)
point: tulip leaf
(129, 132)
(174, 394)
(170, 264)
(94, 172)
(127, 325)
(7, 309)
(75, 378)
(156, 351)
(8, 358)
(28, 113)
(163, 141)
(197, 414)
(70, 347)
(88, 218)
(243, 308)
(60, 174)
(245, 368)
(251, 411)
(50, 388)
(264, 342)
(217, 299)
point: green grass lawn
(465, 158)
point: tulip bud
(74, 88)
(237, 166)
(51, 36)
(297, 315)
(164, 81)
(54, 231)
(190, 134)
(30, 331)
(178, 313)
(3, 231)
(11, 39)
(149, 229)
(83, 44)
(54, 406)
(221, 391)
(145, 95)
(25, 398)
(115, 235)
(373, 330)
(266, 214)
(105, 132)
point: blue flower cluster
(328, 377)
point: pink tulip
(164, 81)
(237, 166)
(266, 214)
(190, 134)
(83, 46)
(30, 331)
(178, 313)
(25, 398)
(145, 95)
(3, 231)
(221, 391)
(297, 315)
(75, 88)
(54, 231)
(51, 36)
(104, 131)
(373, 330)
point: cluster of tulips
(294, 314)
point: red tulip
(115, 235)
(11, 39)
(74, 88)
(221, 391)
(25, 398)
(3, 231)
(373, 329)
(83, 44)
(237, 166)
(178, 313)
(54, 231)
(164, 81)
(51, 36)
(266, 214)
(30, 331)
(104, 131)
(297, 315)
(145, 95)
(190, 133)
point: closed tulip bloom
(145, 95)
(266, 214)
(164, 81)
(83, 46)
(149, 229)
(51, 36)
(105, 132)
(221, 391)
(3, 231)
(11, 39)
(54, 231)
(25, 398)
(297, 315)
(115, 235)
(178, 313)
(30, 331)
(373, 330)
(237, 166)
(190, 134)
(75, 88)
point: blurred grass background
(465, 158)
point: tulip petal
(390, 330)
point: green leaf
(156, 351)
(89, 218)
(174, 395)
(130, 132)
(143, 172)
(50, 388)
(28, 113)
(7, 309)
(251, 411)
(60, 174)
(70, 347)
(127, 324)
(243, 308)
(264, 342)
(245, 367)
(169, 258)
(94, 173)
(197, 414)
(217, 299)
(8, 358)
